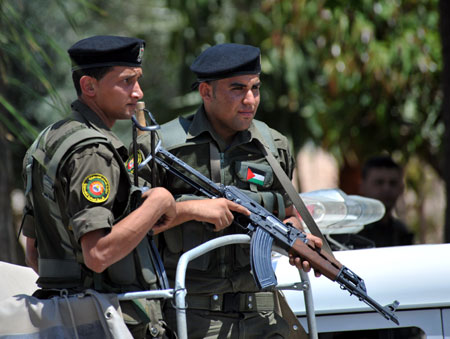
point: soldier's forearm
(31, 256)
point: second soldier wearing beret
(223, 141)
(81, 233)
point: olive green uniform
(223, 299)
(89, 190)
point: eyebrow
(238, 84)
(132, 75)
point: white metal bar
(179, 292)
(180, 287)
(153, 294)
(309, 305)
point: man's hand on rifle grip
(298, 262)
(216, 212)
(293, 219)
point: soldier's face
(231, 103)
(118, 92)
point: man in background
(382, 179)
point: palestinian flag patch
(130, 162)
(95, 188)
(255, 176)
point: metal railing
(179, 292)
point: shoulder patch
(96, 188)
(130, 162)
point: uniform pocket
(174, 239)
(195, 234)
(242, 255)
(123, 272)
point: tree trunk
(444, 27)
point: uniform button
(154, 331)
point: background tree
(354, 78)
(444, 28)
(24, 59)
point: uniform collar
(200, 124)
(83, 113)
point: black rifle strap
(295, 198)
(214, 157)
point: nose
(249, 98)
(386, 187)
(137, 91)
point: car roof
(417, 276)
(16, 279)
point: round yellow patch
(130, 162)
(96, 188)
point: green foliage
(356, 78)
(27, 56)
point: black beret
(225, 61)
(106, 50)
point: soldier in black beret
(226, 61)
(223, 141)
(81, 230)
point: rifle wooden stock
(140, 115)
(319, 259)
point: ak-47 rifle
(266, 230)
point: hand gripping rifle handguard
(267, 230)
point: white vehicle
(418, 276)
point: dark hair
(97, 73)
(380, 161)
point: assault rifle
(267, 230)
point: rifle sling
(295, 198)
(214, 157)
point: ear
(206, 91)
(88, 85)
